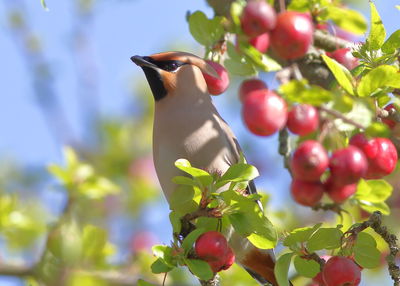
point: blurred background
(67, 80)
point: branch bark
(375, 222)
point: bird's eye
(173, 66)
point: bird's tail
(260, 265)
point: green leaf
(342, 74)
(350, 20)
(315, 95)
(282, 268)
(238, 173)
(94, 244)
(261, 60)
(378, 129)
(264, 234)
(200, 268)
(373, 207)
(382, 76)
(141, 282)
(325, 238)
(189, 240)
(159, 266)
(392, 43)
(182, 180)
(240, 223)
(205, 31)
(374, 191)
(377, 33)
(236, 12)
(365, 252)
(299, 5)
(175, 219)
(298, 91)
(181, 199)
(202, 176)
(300, 235)
(161, 251)
(237, 64)
(306, 267)
(43, 2)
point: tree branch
(375, 222)
(16, 270)
(329, 42)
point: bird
(187, 125)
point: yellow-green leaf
(342, 75)
(377, 33)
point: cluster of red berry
(213, 248)
(290, 33)
(364, 158)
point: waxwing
(187, 125)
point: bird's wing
(236, 151)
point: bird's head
(170, 71)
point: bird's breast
(195, 137)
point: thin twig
(337, 114)
(284, 148)
(212, 282)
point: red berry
(341, 271)
(293, 35)
(348, 165)
(211, 244)
(390, 122)
(229, 259)
(213, 248)
(258, 17)
(306, 193)
(339, 193)
(249, 85)
(318, 280)
(303, 119)
(345, 57)
(261, 42)
(217, 85)
(380, 153)
(264, 112)
(309, 161)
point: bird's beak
(140, 61)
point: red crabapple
(215, 85)
(258, 17)
(249, 85)
(380, 153)
(303, 119)
(306, 193)
(264, 112)
(293, 35)
(309, 161)
(347, 165)
(341, 271)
